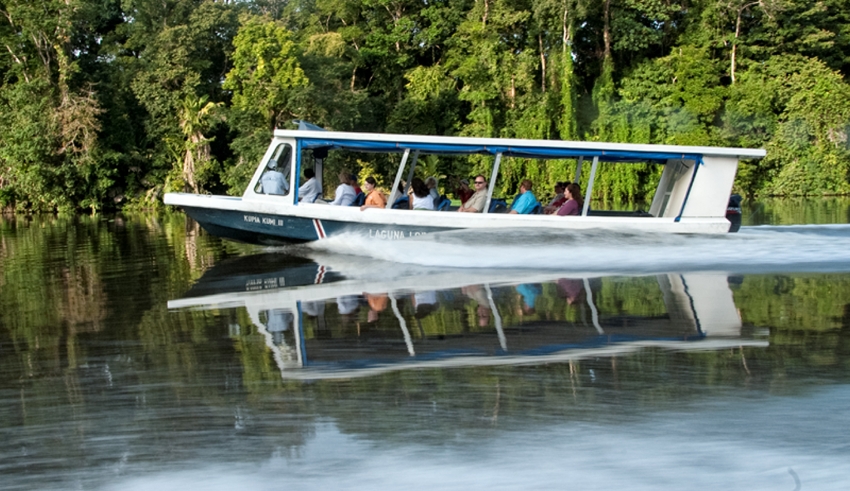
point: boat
(691, 196)
(326, 317)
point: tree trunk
(542, 64)
(606, 32)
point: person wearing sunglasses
(475, 204)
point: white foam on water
(775, 248)
(577, 456)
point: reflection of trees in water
(97, 354)
(198, 257)
(790, 211)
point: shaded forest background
(110, 103)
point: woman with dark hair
(574, 202)
(421, 198)
(374, 197)
(310, 191)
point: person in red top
(352, 181)
(463, 192)
(558, 200)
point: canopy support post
(394, 191)
(503, 342)
(492, 184)
(577, 180)
(589, 190)
(412, 169)
(318, 169)
(594, 314)
(407, 340)
(299, 334)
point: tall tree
(49, 113)
(176, 50)
(264, 82)
(196, 117)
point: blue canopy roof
(531, 152)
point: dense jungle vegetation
(109, 103)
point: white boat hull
(263, 222)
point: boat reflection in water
(325, 319)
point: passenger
(420, 197)
(431, 182)
(476, 202)
(477, 293)
(352, 180)
(278, 322)
(463, 193)
(348, 306)
(526, 201)
(574, 202)
(528, 292)
(571, 289)
(374, 197)
(377, 303)
(310, 190)
(558, 200)
(401, 202)
(424, 303)
(344, 194)
(313, 308)
(273, 181)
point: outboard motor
(733, 212)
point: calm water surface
(140, 353)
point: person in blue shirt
(526, 201)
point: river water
(138, 353)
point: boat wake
(815, 248)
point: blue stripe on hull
(263, 229)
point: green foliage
(91, 91)
(265, 70)
(265, 81)
(799, 110)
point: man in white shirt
(310, 190)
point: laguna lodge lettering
(392, 234)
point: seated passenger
(352, 179)
(420, 197)
(310, 190)
(463, 193)
(476, 202)
(431, 182)
(273, 181)
(374, 197)
(401, 202)
(526, 201)
(574, 202)
(558, 200)
(344, 194)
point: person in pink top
(574, 201)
